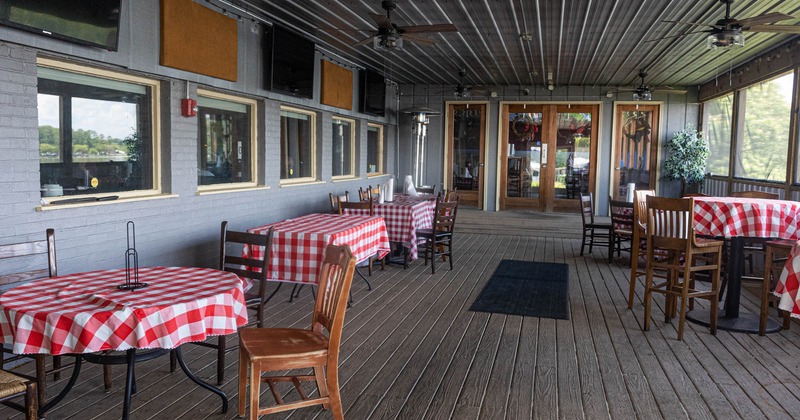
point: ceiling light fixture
(526, 36)
(733, 37)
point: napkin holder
(131, 262)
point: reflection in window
(524, 154)
(225, 141)
(466, 148)
(635, 150)
(297, 144)
(343, 136)
(374, 149)
(95, 133)
(572, 154)
(766, 109)
(717, 121)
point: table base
(745, 322)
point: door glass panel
(466, 148)
(634, 146)
(573, 154)
(524, 154)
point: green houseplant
(686, 162)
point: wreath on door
(523, 126)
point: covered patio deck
(412, 349)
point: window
(96, 131)
(226, 139)
(717, 122)
(374, 149)
(343, 147)
(297, 144)
(763, 133)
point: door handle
(481, 164)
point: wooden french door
(464, 159)
(547, 155)
(635, 158)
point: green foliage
(688, 151)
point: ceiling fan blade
(786, 29)
(678, 36)
(768, 18)
(702, 25)
(382, 21)
(364, 41)
(418, 29)
(418, 39)
(665, 89)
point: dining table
(403, 216)
(87, 315)
(787, 288)
(298, 244)
(740, 220)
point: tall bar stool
(777, 252)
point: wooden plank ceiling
(580, 42)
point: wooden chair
(231, 260)
(438, 240)
(637, 241)
(13, 386)
(336, 199)
(280, 349)
(593, 233)
(368, 205)
(621, 226)
(28, 255)
(364, 195)
(427, 190)
(670, 229)
(777, 252)
(374, 192)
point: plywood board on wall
(337, 86)
(197, 39)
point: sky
(115, 119)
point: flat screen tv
(373, 93)
(87, 22)
(289, 62)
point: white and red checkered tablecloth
(86, 312)
(750, 217)
(298, 245)
(788, 285)
(403, 217)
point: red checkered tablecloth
(298, 245)
(750, 217)
(403, 217)
(86, 312)
(789, 284)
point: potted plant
(686, 162)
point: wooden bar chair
(336, 199)
(777, 252)
(637, 241)
(368, 205)
(438, 240)
(12, 387)
(621, 226)
(670, 228)
(593, 233)
(280, 349)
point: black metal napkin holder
(131, 262)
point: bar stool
(777, 252)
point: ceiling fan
(728, 31)
(462, 90)
(645, 93)
(391, 36)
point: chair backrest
(640, 206)
(24, 255)
(336, 199)
(364, 195)
(756, 194)
(621, 215)
(374, 192)
(670, 222)
(587, 208)
(335, 278)
(427, 190)
(444, 216)
(451, 195)
(368, 205)
(232, 260)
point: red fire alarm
(188, 107)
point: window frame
(731, 127)
(381, 142)
(155, 123)
(352, 170)
(313, 130)
(254, 150)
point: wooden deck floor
(412, 350)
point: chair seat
(596, 225)
(11, 384)
(264, 344)
(708, 242)
(429, 232)
(623, 232)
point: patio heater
(420, 116)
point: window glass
(297, 144)
(225, 140)
(95, 133)
(763, 142)
(717, 121)
(343, 136)
(374, 149)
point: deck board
(411, 349)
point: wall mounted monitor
(289, 62)
(373, 93)
(87, 22)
